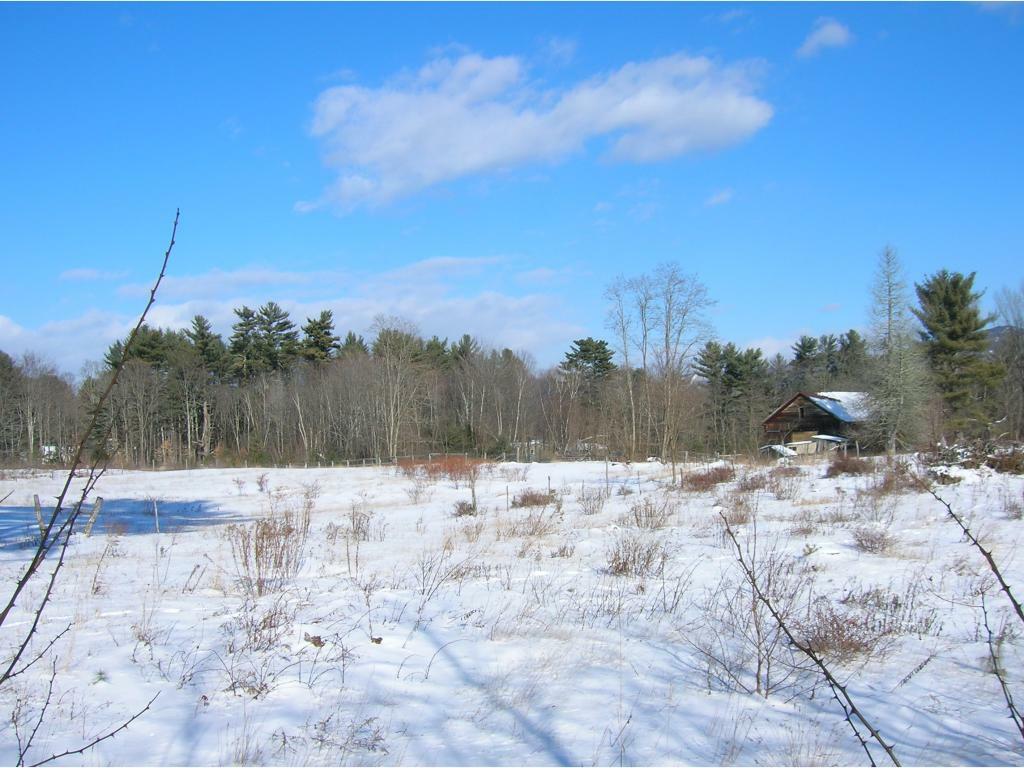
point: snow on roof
(829, 438)
(846, 406)
(781, 450)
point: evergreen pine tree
(278, 338)
(244, 347)
(828, 360)
(436, 354)
(209, 346)
(318, 340)
(592, 360)
(806, 364)
(353, 345)
(853, 361)
(955, 343)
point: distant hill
(996, 334)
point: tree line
(659, 385)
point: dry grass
(895, 478)
(634, 554)
(1010, 461)
(537, 524)
(533, 497)
(874, 539)
(838, 634)
(271, 551)
(755, 481)
(783, 482)
(464, 509)
(1014, 508)
(849, 465)
(701, 482)
(650, 513)
(592, 502)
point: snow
(829, 438)
(847, 406)
(503, 637)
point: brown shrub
(592, 502)
(649, 513)
(874, 539)
(701, 482)
(839, 634)
(849, 465)
(896, 478)
(786, 471)
(636, 555)
(1011, 462)
(754, 481)
(533, 497)
(783, 482)
(464, 509)
(455, 468)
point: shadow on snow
(18, 526)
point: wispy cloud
(443, 267)
(827, 33)
(219, 282)
(458, 117)
(771, 345)
(543, 276)
(487, 296)
(86, 274)
(1008, 9)
(559, 50)
(834, 307)
(721, 197)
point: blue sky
(490, 168)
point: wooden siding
(803, 416)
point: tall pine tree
(278, 338)
(956, 346)
(319, 343)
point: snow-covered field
(607, 624)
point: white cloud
(68, 343)
(447, 296)
(471, 115)
(827, 33)
(721, 197)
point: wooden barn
(815, 423)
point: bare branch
(109, 735)
(42, 653)
(998, 670)
(987, 554)
(23, 749)
(850, 709)
(48, 537)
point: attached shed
(816, 422)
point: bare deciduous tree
(899, 386)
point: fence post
(92, 518)
(39, 513)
